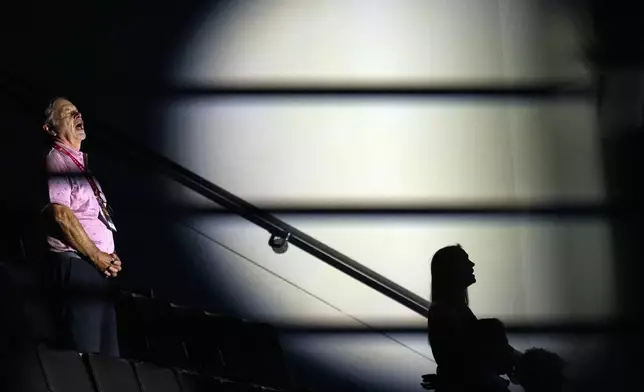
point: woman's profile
(471, 354)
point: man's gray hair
(50, 111)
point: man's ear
(47, 129)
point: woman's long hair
(446, 283)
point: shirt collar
(70, 149)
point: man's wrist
(94, 256)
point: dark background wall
(97, 54)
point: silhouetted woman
(470, 353)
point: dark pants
(84, 311)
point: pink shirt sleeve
(60, 188)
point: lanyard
(100, 197)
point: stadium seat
(193, 382)
(131, 329)
(200, 340)
(64, 371)
(165, 346)
(227, 335)
(229, 386)
(21, 370)
(112, 374)
(235, 349)
(153, 378)
(266, 364)
(146, 332)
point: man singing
(80, 239)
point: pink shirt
(76, 193)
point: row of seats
(205, 349)
(175, 336)
(50, 370)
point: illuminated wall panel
(396, 151)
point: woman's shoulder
(441, 310)
(441, 306)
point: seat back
(112, 374)
(193, 382)
(64, 371)
(153, 378)
(201, 341)
(229, 386)
(227, 337)
(265, 360)
(164, 344)
(21, 369)
(131, 329)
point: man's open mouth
(80, 126)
